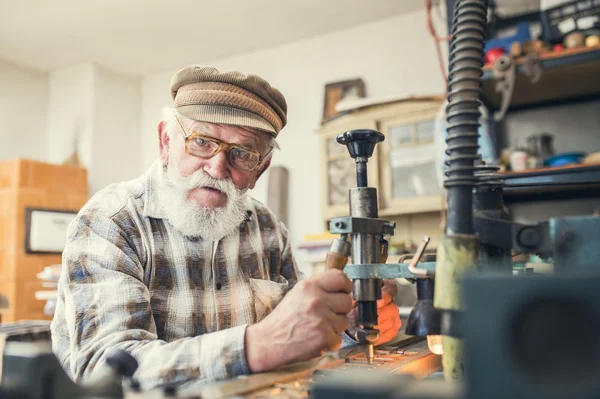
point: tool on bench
(367, 244)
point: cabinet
(29, 184)
(403, 167)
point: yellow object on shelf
(592, 41)
(321, 236)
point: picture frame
(46, 230)
(338, 91)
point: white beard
(188, 216)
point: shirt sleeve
(106, 306)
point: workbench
(405, 354)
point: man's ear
(261, 170)
(163, 142)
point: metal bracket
(505, 73)
(385, 270)
(508, 235)
(349, 225)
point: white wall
(71, 113)
(116, 140)
(103, 109)
(394, 56)
(23, 106)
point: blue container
(564, 159)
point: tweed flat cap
(232, 98)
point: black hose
(466, 60)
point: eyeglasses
(202, 146)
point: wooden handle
(335, 260)
(383, 258)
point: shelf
(567, 75)
(567, 182)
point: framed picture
(46, 230)
(339, 91)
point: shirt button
(219, 286)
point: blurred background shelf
(568, 75)
(566, 182)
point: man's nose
(218, 166)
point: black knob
(122, 363)
(361, 142)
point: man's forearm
(207, 357)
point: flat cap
(232, 98)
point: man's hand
(388, 315)
(306, 323)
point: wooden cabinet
(404, 167)
(408, 165)
(29, 184)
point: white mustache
(201, 179)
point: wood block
(24, 173)
(76, 201)
(25, 293)
(55, 200)
(8, 234)
(8, 202)
(57, 178)
(11, 173)
(39, 315)
(29, 265)
(29, 198)
(7, 264)
(31, 184)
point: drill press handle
(337, 257)
(360, 142)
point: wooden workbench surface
(405, 354)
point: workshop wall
(70, 113)
(23, 107)
(394, 56)
(101, 108)
(116, 140)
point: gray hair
(168, 117)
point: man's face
(205, 197)
(218, 167)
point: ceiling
(142, 37)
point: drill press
(366, 231)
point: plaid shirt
(180, 305)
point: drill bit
(370, 353)
(368, 337)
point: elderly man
(186, 272)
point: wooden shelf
(565, 182)
(566, 75)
